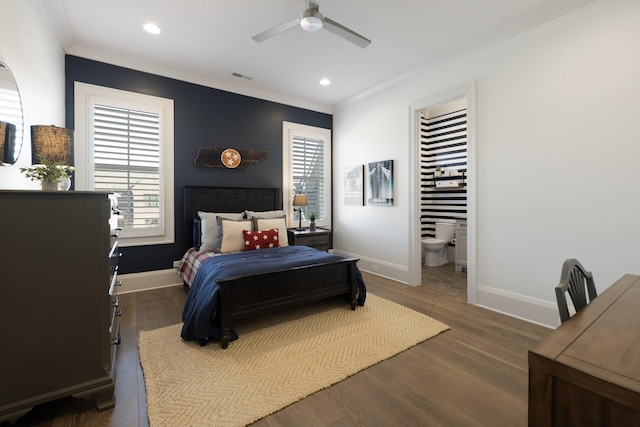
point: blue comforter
(200, 314)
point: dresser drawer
(311, 240)
(318, 239)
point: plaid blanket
(189, 264)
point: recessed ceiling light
(151, 28)
(325, 82)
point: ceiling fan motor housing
(311, 20)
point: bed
(226, 287)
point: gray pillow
(209, 227)
(265, 214)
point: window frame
(85, 96)
(289, 131)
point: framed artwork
(354, 185)
(379, 181)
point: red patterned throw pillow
(262, 239)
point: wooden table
(587, 372)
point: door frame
(468, 91)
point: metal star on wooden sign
(229, 158)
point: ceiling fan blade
(345, 33)
(276, 30)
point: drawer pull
(114, 283)
(115, 231)
(118, 313)
(116, 340)
(115, 303)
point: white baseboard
(522, 307)
(385, 269)
(137, 282)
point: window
(124, 144)
(307, 170)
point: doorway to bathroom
(443, 187)
(443, 194)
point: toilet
(436, 250)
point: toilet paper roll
(453, 241)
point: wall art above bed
(228, 158)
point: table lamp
(299, 200)
(54, 143)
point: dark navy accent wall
(204, 117)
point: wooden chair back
(578, 283)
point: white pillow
(230, 236)
(265, 214)
(209, 228)
(279, 223)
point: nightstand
(318, 239)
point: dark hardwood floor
(475, 374)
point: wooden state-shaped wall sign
(228, 158)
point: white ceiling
(211, 39)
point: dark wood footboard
(249, 295)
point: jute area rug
(278, 360)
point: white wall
(557, 158)
(557, 149)
(29, 47)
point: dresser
(319, 239)
(60, 317)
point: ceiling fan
(312, 20)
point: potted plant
(312, 221)
(49, 173)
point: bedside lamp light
(299, 200)
(54, 143)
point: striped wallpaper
(443, 144)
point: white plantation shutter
(126, 155)
(308, 177)
(307, 170)
(124, 144)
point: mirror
(11, 119)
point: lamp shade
(7, 142)
(299, 200)
(54, 143)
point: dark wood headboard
(226, 199)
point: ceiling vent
(242, 76)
